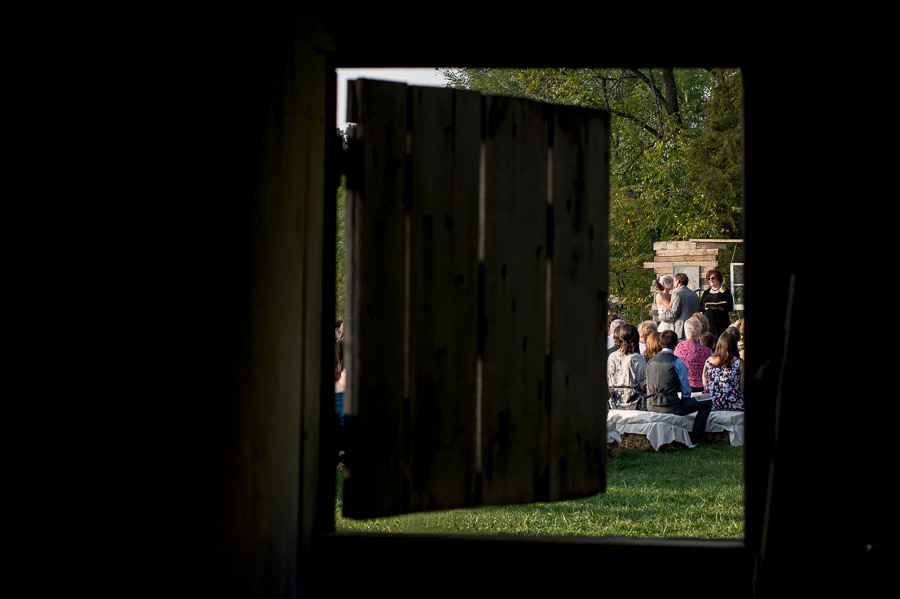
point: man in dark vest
(668, 390)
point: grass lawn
(696, 493)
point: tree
(339, 253)
(715, 152)
(675, 166)
(340, 228)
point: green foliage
(715, 153)
(675, 160)
(691, 493)
(339, 254)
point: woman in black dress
(716, 303)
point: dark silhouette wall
(248, 220)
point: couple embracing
(676, 302)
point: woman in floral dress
(722, 375)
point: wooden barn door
(476, 285)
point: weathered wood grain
(682, 252)
(472, 348)
(669, 265)
(514, 411)
(443, 296)
(377, 410)
(580, 208)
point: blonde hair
(645, 328)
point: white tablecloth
(666, 428)
(733, 422)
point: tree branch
(639, 121)
(603, 81)
(650, 83)
(670, 99)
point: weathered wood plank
(443, 300)
(707, 242)
(375, 339)
(681, 259)
(580, 203)
(667, 266)
(674, 245)
(513, 409)
(683, 252)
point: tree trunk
(671, 94)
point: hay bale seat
(634, 429)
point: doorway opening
(650, 199)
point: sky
(426, 77)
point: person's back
(693, 353)
(684, 303)
(612, 341)
(668, 390)
(690, 300)
(663, 385)
(626, 371)
(723, 375)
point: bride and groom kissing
(676, 303)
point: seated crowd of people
(653, 370)
(649, 369)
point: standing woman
(716, 303)
(664, 284)
(626, 372)
(340, 382)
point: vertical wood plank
(443, 300)
(514, 431)
(579, 290)
(375, 341)
(245, 453)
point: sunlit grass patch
(692, 493)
